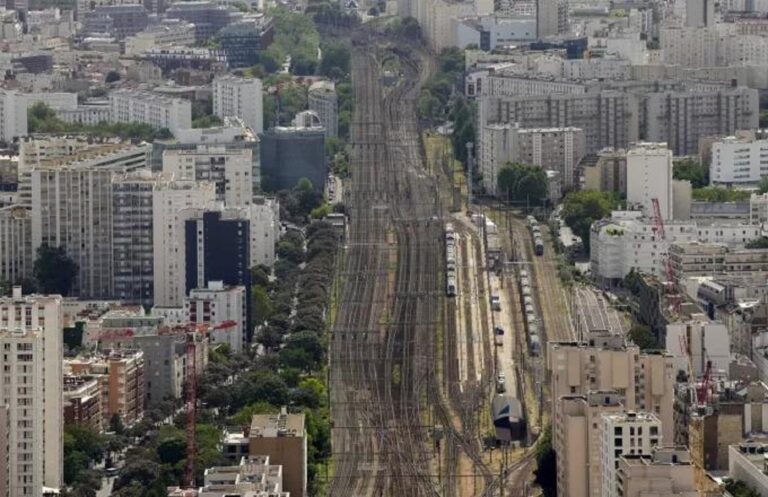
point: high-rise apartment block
(15, 244)
(31, 339)
(13, 119)
(649, 177)
(239, 97)
(72, 208)
(229, 168)
(558, 149)
(135, 106)
(282, 437)
(82, 402)
(643, 382)
(172, 202)
(739, 160)
(629, 433)
(323, 100)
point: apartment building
(251, 476)
(30, 335)
(283, 439)
(738, 160)
(649, 177)
(323, 100)
(632, 433)
(15, 244)
(682, 118)
(13, 118)
(609, 173)
(746, 463)
(290, 154)
(72, 208)
(628, 241)
(603, 363)
(240, 97)
(168, 33)
(224, 308)
(265, 230)
(171, 202)
(707, 342)
(82, 402)
(128, 106)
(229, 169)
(578, 460)
(558, 149)
(666, 472)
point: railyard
(413, 371)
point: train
(538, 242)
(529, 311)
(450, 260)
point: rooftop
(277, 425)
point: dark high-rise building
(289, 154)
(207, 17)
(244, 40)
(217, 248)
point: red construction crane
(672, 297)
(703, 391)
(191, 398)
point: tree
(54, 270)
(762, 186)
(116, 424)
(689, 169)
(718, 194)
(643, 337)
(582, 208)
(303, 66)
(759, 243)
(522, 183)
(112, 76)
(546, 464)
(738, 488)
(336, 60)
(261, 304)
(271, 59)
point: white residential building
(628, 241)
(229, 168)
(627, 433)
(667, 472)
(222, 307)
(127, 106)
(557, 149)
(265, 230)
(739, 161)
(746, 463)
(13, 119)
(322, 99)
(88, 113)
(649, 176)
(170, 203)
(15, 244)
(171, 32)
(31, 338)
(239, 97)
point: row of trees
(522, 183)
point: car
(498, 330)
(110, 472)
(495, 303)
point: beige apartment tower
(282, 438)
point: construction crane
(703, 390)
(671, 295)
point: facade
(324, 101)
(72, 208)
(82, 402)
(13, 120)
(222, 307)
(240, 97)
(15, 244)
(132, 241)
(649, 176)
(127, 106)
(89, 113)
(243, 40)
(699, 13)
(667, 472)
(169, 33)
(738, 161)
(746, 462)
(208, 17)
(283, 439)
(682, 118)
(251, 476)
(609, 173)
(628, 241)
(30, 332)
(702, 259)
(171, 200)
(557, 149)
(265, 230)
(119, 21)
(229, 169)
(289, 154)
(635, 434)
(217, 248)
(706, 341)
